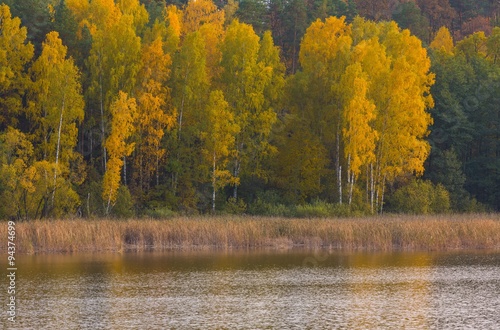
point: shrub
(160, 213)
(420, 197)
(321, 209)
(261, 207)
(440, 203)
(268, 203)
(123, 207)
(234, 206)
(471, 205)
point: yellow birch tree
(246, 78)
(220, 142)
(123, 117)
(358, 134)
(56, 106)
(15, 53)
(155, 113)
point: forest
(152, 108)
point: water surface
(259, 289)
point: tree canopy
(132, 107)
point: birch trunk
(59, 132)
(213, 184)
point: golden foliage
(124, 113)
(443, 41)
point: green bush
(269, 203)
(91, 197)
(420, 197)
(318, 209)
(321, 209)
(261, 207)
(159, 213)
(440, 203)
(471, 205)
(234, 206)
(124, 206)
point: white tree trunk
(59, 132)
(213, 184)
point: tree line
(128, 107)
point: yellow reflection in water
(408, 282)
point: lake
(293, 289)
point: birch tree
(56, 106)
(219, 142)
(245, 80)
(123, 116)
(155, 113)
(15, 53)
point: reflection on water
(255, 290)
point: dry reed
(375, 233)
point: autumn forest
(267, 107)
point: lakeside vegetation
(381, 233)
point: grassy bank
(374, 234)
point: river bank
(379, 233)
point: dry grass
(374, 234)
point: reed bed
(385, 233)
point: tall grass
(374, 234)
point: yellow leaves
(199, 12)
(212, 34)
(114, 61)
(124, 114)
(111, 180)
(79, 8)
(96, 15)
(55, 104)
(219, 140)
(222, 178)
(12, 42)
(269, 57)
(15, 53)
(205, 17)
(252, 79)
(367, 89)
(16, 153)
(135, 9)
(14, 145)
(474, 44)
(153, 104)
(325, 45)
(173, 16)
(443, 41)
(28, 183)
(358, 114)
(103, 14)
(404, 124)
(222, 127)
(54, 53)
(155, 67)
(239, 48)
(57, 101)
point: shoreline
(384, 233)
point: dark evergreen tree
(36, 16)
(255, 13)
(448, 171)
(409, 16)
